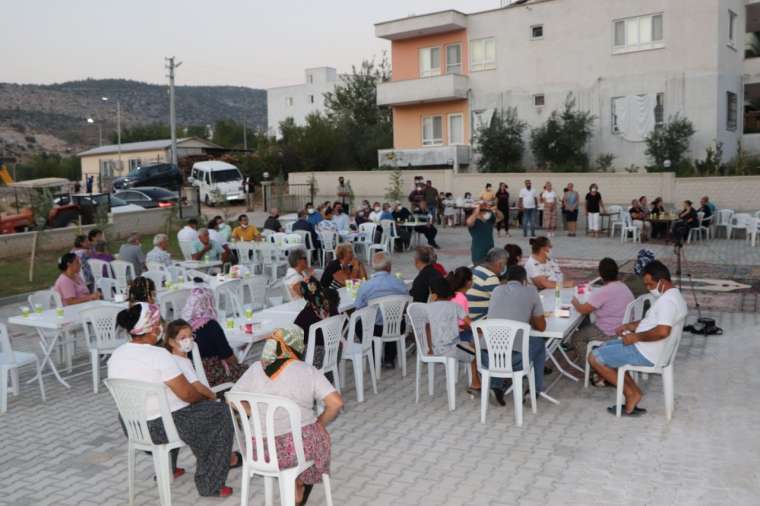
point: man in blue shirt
(205, 247)
(381, 284)
(340, 219)
(314, 216)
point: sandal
(637, 411)
(225, 491)
(239, 462)
(177, 473)
(473, 391)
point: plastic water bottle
(558, 293)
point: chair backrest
(724, 216)
(637, 308)
(669, 351)
(500, 337)
(278, 239)
(158, 277)
(293, 238)
(48, 299)
(305, 238)
(389, 227)
(227, 298)
(392, 309)
(367, 316)
(6, 351)
(256, 289)
(418, 319)
(123, 271)
(109, 287)
(367, 232)
(266, 233)
(155, 266)
(742, 220)
(172, 302)
(246, 252)
(616, 210)
(198, 365)
(288, 227)
(130, 397)
(97, 267)
(100, 329)
(332, 331)
(627, 220)
(257, 430)
(186, 247)
(329, 239)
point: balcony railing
(429, 89)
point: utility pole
(245, 137)
(171, 66)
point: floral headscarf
(644, 257)
(150, 316)
(281, 349)
(199, 308)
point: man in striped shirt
(485, 278)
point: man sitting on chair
(642, 342)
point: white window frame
(732, 124)
(107, 168)
(486, 64)
(533, 36)
(732, 25)
(133, 163)
(448, 125)
(289, 101)
(535, 100)
(426, 54)
(460, 65)
(661, 122)
(433, 141)
(641, 22)
(310, 79)
(311, 99)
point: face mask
(244, 225)
(487, 216)
(656, 291)
(377, 209)
(310, 211)
(186, 345)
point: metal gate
(287, 198)
(190, 202)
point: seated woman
(70, 285)
(298, 272)
(514, 253)
(321, 303)
(638, 218)
(542, 271)
(283, 373)
(204, 425)
(687, 219)
(659, 229)
(344, 267)
(460, 281)
(219, 361)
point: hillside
(52, 118)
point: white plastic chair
(254, 291)
(500, 337)
(186, 247)
(357, 352)
(616, 220)
(159, 278)
(97, 267)
(419, 319)
(191, 274)
(174, 273)
(741, 221)
(255, 434)
(634, 312)
(329, 240)
(308, 244)
(627, 227)
(10, 361)
(227, 299)
(130, 397)
(332, 331)
(365, 239)
(723, 218)
(48, 299)
(102, 335)
(273, 260)
(109, 287)
(392, 309)
(664, 367)
(754, 230)
(124, 273)
(201, 372)
(390, 234)
(247, 255)
(703, 230)
(171, 303)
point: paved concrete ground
(388, 450)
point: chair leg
(431, 378)
(14, 388)
(3, 390)
(619, 392)
(532, 388)
(358, 365)
(342, 371)
(163, 476)
(328, 489)
(39, 380)
(95, 360)
(417, 375)
(377, 345)
(131, 474)
(402, 355)
(485, 381)
(451, 387)
(667, 387)
(245, 484)
(268, 490)
(371, 368)
(517, 397)
(287, 490)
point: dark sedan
(149, 197)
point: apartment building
(632, 64)
(299, 100)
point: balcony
(419, 26)
(425, 90)
(450, 156)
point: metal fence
(190, 202)
(287, 198)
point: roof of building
(514, 4)
(145, 146)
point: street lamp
(100, 130)
(118, 126)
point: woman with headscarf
(219, 361)
(282, 372)
(321, 303)
(635, 283)
(204, 425)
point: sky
(252, 43)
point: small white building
(299, 100)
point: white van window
(207, 179)
(224, 176)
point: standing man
(343, 193)
(431, 197)
(527, 205)
(90, 181)
(480, 225)
(417, 196)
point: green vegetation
(49, 165)
(670, 143)
(500, 143)
(560, 144)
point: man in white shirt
(189, 232)
(643, 343)
(340, 219)
(527, 204)
(160, 252)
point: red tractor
(62, 214)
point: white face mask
(244, 225)
(656, 290)
(186, 345)
(310, 211)
(377, 209)
(487, 216)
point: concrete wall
(739, 193)
(147, 222)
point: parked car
(88, 203)
(148, 197)
(217, 180)
(163, 175)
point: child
(460, 281)
(449, 210)
(179, 342)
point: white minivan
(217, 176)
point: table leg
(47, 350)
(551, 347)
(567, 359)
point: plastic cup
(230, 323)
(25, 311)
(248, 313)
(398, 275)
(59, 312)
(38, 308)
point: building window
(430, 61)
(537, 32)
(454, 59)
(456, 129)
(107, 168)
(289, 101)
(310, 79)
(731, 111)
(638, 34)
(311, 99)
(732, 17)
(659, 111)
(483, 54)
(133, 164)
(432, 131)
(539, 100)
(478, 120)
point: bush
(47, 165)
(669, 142)
(500, 143)
(604, 162)
(560, 143)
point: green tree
(230, 134)
(199, 131)
(318, 144)
(395, 189)
(364, 126)
(500, 143)
(669, 143)
(50, 165)
(138, 133)
(560, 143)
